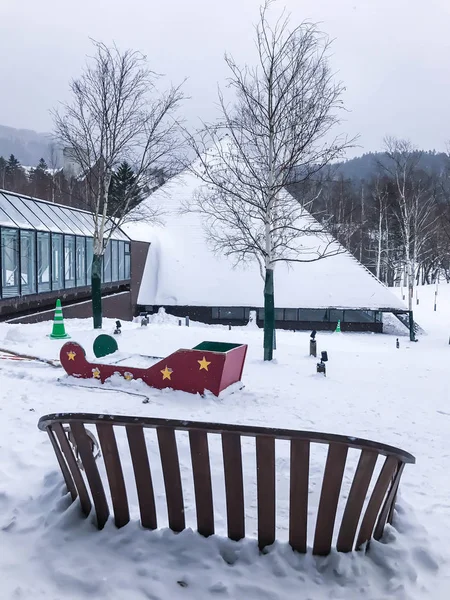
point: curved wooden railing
(68, 430)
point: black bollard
(186, 321)
(312, 348)
(397, 343)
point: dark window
(127, 261)
(81, 261)
(115, 260)
(231, 313)
(359, 316)
(313, 314)
(10, 262)
(378, 316)
(279, 314)
(28, 262)
(260, 314)
(107, 264)
(336, 315)
(290, 314)
(121, 261)
(214, 313)
(57, 261)
(69, 261)
(89, 255)
(43, 261)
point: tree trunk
(96, 282)
(269, 315)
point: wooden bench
(367, 507)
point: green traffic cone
(338, 328)
(58, 332)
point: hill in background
(27, 146)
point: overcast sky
(392, 55)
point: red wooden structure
(212, 366)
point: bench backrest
(365, 513)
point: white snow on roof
(182, 270)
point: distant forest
(390, 209)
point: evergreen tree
(124, 192)
(15, 177)
(42, 165)
(3, 165)
(13, 164)
(40, 181)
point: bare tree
(117, 114)
(413, 207)
(278, 134)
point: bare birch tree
(278, 133)
(413, 208)
(116, 114)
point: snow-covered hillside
(373, 390)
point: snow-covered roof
(182, 270)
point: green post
(269, 315)
(96, 283)
(412, 335)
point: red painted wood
(182, 369)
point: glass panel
(260, 314)
(215, 313)
(35, 215)
(12, 212)
(121, 261)
(279, 314)
(6, 220)
(127, 261)
(336, 315)
(43, 261)
(89, 255)
(313, 314)
(57, 262)
(49, 210)
(359, 316)
(78, 223)
(10, 262)
(28, 262)
(291, 314)
(65, 216)
(87, 220)
(69, 261)
(115, 260)
(231, 313)
(107, 264)
(81, 261)
(28, 214)
(379, 317)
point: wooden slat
(201, 470)
(63, 465)
(355, 501)
(389, 504)
(172, 478)
(90, 468)
(234, 487)
(66, 448)
(142, 476)
(265, 465)
(329, 497)
(298, 496)
(114, 472)
(378, 494)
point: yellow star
(204, 364)
(128, 376)
(96, 373)
(166, 373)
(71, 355)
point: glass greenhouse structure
(46, 247)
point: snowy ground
(373, 390)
